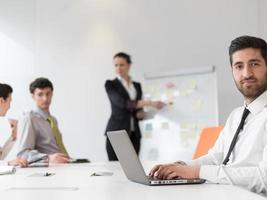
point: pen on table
(36, 160)
(47, 174)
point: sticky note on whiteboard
(169, 85)
(164, 97)
(148, 127)
(165, 126)
(192, 85)
(176, 93)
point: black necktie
(233, 143)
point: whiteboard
(192, 104)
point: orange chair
(207, 139)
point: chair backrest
(207, 139)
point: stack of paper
(7, 170)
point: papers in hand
(7, 170)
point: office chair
(207, 139)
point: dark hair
(126, 56)
(40, 83)
(244, 42)
(5, 90)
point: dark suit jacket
(122, 107)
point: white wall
(262, 18)
(16, 54)
(72, 43)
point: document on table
(7, 170)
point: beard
(252, 91)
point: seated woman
(8, 145)
(5, 100)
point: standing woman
(5, 100)
(125, 97)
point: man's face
(43, 97)
(249, 72)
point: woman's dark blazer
(122, 107)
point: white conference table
(74, 181)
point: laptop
(131, 164)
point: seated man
(38, 133)
(239, 156)
(5, 100)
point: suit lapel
(122, 89)
(137, 91)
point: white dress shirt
(5, 150)
(247, 166)
(129, 87)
